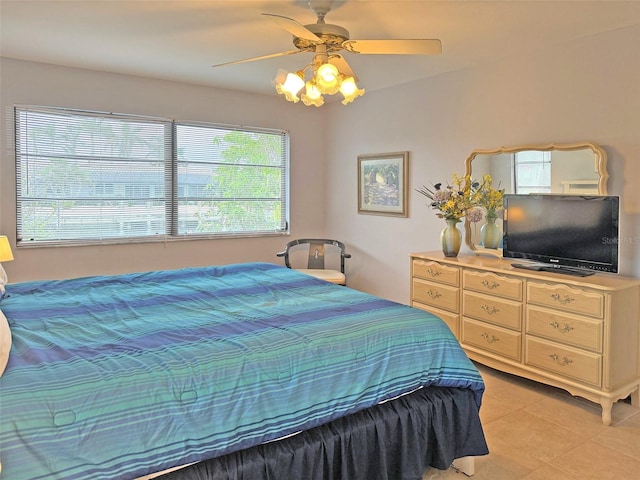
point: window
(533, 172)
(86, 177)
(230, 181)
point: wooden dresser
(581, 334)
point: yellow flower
(453, 201)
(487, 197)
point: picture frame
(382, 184)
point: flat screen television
(566, 233)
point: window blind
(532, 172)
(230, 181)
(85, 177)
(90, 176)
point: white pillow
(5, 342)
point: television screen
(563, 230)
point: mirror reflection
(576, 169)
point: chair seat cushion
(333, 276)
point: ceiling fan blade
(394, 47)
(263, 57)
(342, 65)
(294, 27)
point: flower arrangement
(453, 201)
(465, 197)
(487, 197)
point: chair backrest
(316, 254)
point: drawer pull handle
(562, 329)
(434, 273)
(560, 361)
(563, 300)
(491, 285)
(489, 310)
(433, 294)
(489, 339)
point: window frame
(171, 179)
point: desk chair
(316, 253)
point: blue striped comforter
(120, 376)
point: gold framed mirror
(572, 169)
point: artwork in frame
(382, 184)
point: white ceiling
(181, 40)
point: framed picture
(382, 184)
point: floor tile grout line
(512, 393)
(617, 450)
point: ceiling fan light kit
(327, 79)
(331, 72)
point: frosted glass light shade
(312, 95)
(327, 78)
(291, 86)
(350, 90)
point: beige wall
(40, 84)
(584, 91)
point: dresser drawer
(436, 272)
(563, 297)
(569, 362)
(451, 319)
(492, 309)
(491, 283)
(565, 328)
(492, 338)
(435, 295)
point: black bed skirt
(397, 440)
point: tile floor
(537, 432)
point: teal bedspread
(121, 376)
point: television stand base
(543, 267)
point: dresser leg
(607, 405)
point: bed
(229, 371)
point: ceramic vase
(490, 233)
(451, 238)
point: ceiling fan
(330, 68)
